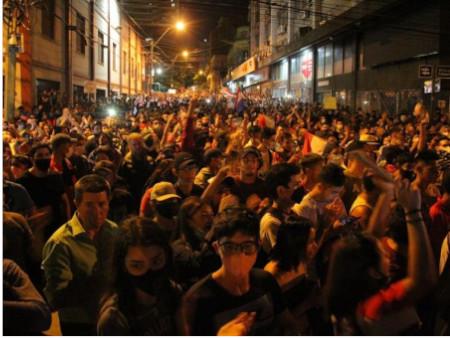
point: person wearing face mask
(323, 205)
(46, 189)
(143, 298)
(137, 165)
(186, 170)
(165, 203)
(60, 163)
(193, 256)
(236, 287)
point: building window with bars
(114, 52)
(81, 34)
(101, 44)
(48, 19)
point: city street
(235, 168)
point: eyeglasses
(248, 248)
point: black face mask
(42, 164)
(168, 209)
(151, 282)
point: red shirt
(439, 226)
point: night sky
(201, 17)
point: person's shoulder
(111, 319)
(112, 225)
(201, 289)
(269, 218)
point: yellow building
(79, 48)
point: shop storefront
(302, 70)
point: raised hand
(239, 326)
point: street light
(159, 71)
(185, 53)
(179, 26)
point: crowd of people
(194, 216)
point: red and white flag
(313, 144)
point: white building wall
(80, 62)
(101, 25)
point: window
(138, 68)
(101, 44)
(320, 62)
(295, 64)
(48, 19)
(280, 71)
(114, 51)
(328, 60)
(81, 31)
(348, 57)
(124, 62)
(338, 65)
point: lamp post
(180, 26)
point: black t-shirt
(196, 191)
(208, 306)
(44, 191)
(155, 320)
(243, 190)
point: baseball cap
(353, 146)
(163, 191)
(60, 139)
(184, 159)
(250, 150)
(369, 139)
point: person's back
(25, 312)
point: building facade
(365, 53)
(81, 49)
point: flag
(313, 144)
(239, 104)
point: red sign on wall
(307, 68)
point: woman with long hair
(143, 299)
(358, 294)
(193, 256)
(289, 265)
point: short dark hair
(267, 133)
(22, 161)
(291, 245)
(280, 175)
(427, 156)
(332, 174)
(38, 146)
(233, 220)
(93, 184)
(310, 160)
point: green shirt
(78, 269)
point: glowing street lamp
(180, 26)
(185, 53)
